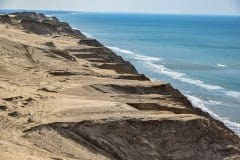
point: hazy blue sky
(147, 6)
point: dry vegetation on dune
(66, 97)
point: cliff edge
(64, 96)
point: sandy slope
(68, 100)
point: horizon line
(118, 12)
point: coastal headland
(64, 96)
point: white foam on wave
(183, 77)
(87, 35)
(197, 102)
(136, 56)
(148, 58)
(164, 70)
(233, 94)
(211, 102)
(150, 61)
(120, 50)
(73, 27)
(221, 65)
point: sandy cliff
(66, 97)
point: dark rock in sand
(13, 98)
(48, 89)
(50, 45)
(13, 114)
(63, 73)
(3, 108)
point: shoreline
(82, 95)
(196, 101)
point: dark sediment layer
(149, 139)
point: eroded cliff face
(64, 96)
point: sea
(197, 54)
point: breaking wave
(162, 69)
(197, 102)
(87, 35)
(221, 65)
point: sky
(219, 7)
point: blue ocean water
(199, 55)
